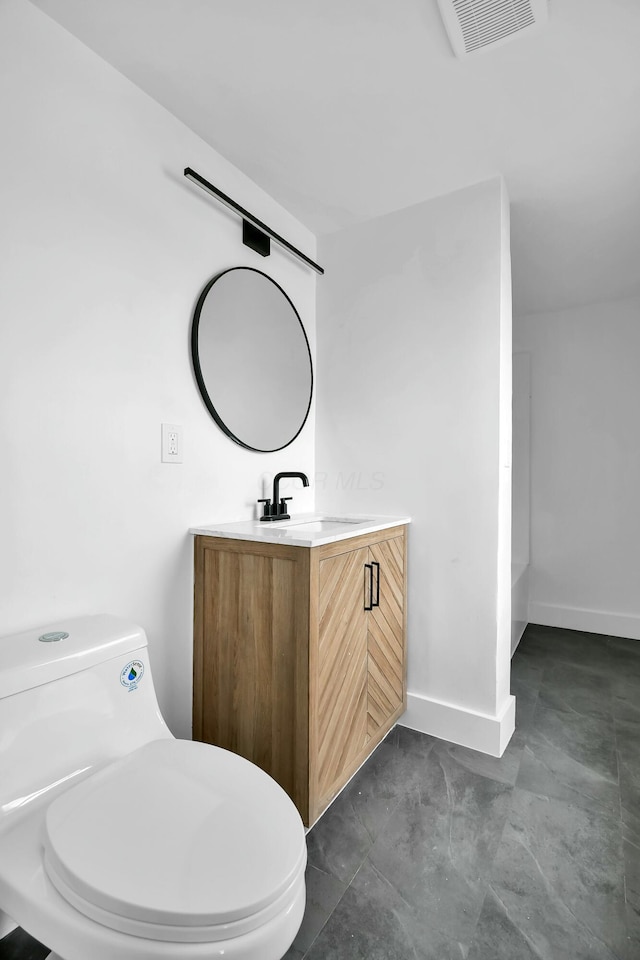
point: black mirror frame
(197, 369)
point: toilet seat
(178, 841)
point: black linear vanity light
(255, 233)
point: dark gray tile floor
(18, 945)
(435, 852)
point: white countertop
(305, 530)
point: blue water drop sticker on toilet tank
(131, 675)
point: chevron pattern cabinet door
(386, 657)
(342, 667)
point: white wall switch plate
(171, 443)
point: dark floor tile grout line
(341, 898)
(528, 940)
(384, 879)
(374, 838)
(399, 800)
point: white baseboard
(589, 621)
(479, 731)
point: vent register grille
(483, 22)
(473, 25)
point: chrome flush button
(52, 637)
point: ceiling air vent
(475, 25)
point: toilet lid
(177, 832)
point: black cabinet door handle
(369, 567)
(376, 602)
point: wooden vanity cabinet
(299, 655)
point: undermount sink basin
(314, 524)
(326, 523)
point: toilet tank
(74, 696)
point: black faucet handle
(283, 505)
(267, 507)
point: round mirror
(251, 359)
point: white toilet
(118, 841)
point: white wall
(104, 248)
(414, 417)
(521, 488)
(585, 466)
(520, 496)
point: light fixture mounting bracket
(252, 227)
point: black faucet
(278, 509)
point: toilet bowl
(117, 840)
